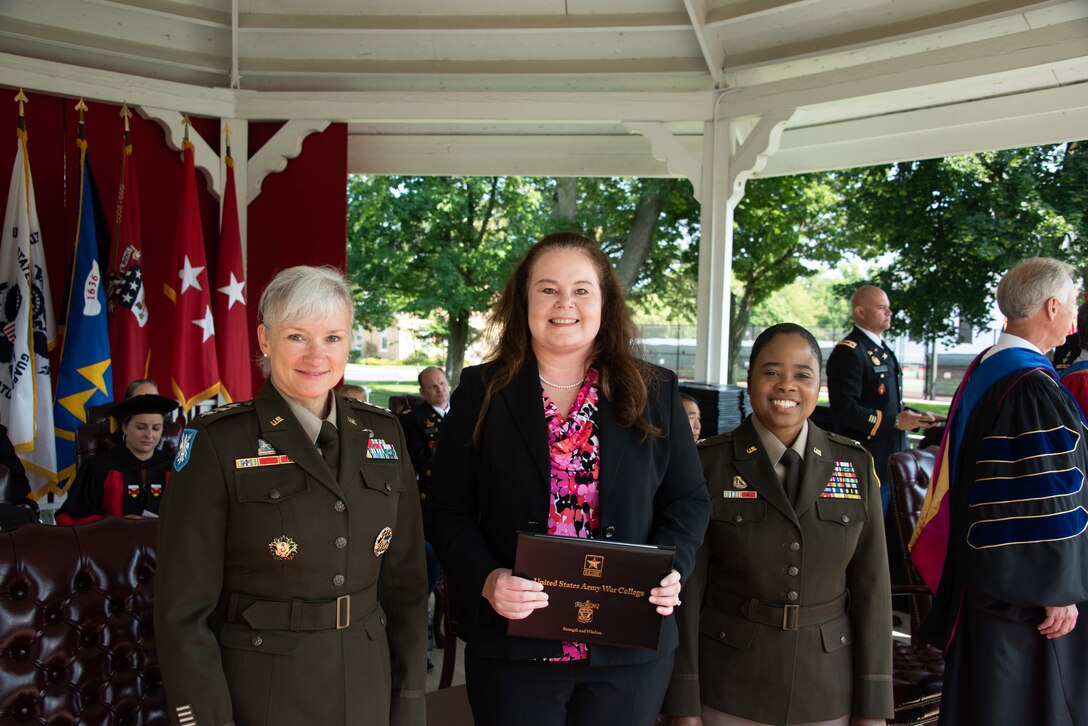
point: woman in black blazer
(565, 431)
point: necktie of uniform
(328, 440)
(793, 463)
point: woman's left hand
(667, 596)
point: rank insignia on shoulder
(377, 448)
(843, 483)
(848, 343)
(283, 548)
(264, 448)
(739, 483)
(747, 494)
(185, 449)
(381, 542)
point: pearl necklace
(546, 382)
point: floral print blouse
(575, 473)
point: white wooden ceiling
(550, 86)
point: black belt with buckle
(296, 615)
(786, 617)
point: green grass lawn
(380, 391)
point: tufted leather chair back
(402, 404)
(909, 472)
(77, 640)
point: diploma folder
(597, 591)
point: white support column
(732, 152)
(715, 257)
(239, 148)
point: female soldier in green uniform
(291, 586)
(787, 614)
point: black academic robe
(1017, 543)
(116, 483)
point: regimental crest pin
(264, 448)
(283, 548)
(739, 483)
(585, 610)
(381, 542)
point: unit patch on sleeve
(185, 449)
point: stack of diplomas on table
(598, 592)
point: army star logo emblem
(594, 566)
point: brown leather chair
(77, 643)
(405, 403)
(917, 668)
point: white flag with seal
(26, 318)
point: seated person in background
(1075, 376)
(359, 393)
(691, 408)
(127, 480)
(141, 387)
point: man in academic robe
(1003, 537)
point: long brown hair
(623, 375)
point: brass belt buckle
(343, 612)
(791, 617)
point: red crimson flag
(229, 304)
(129, 345)
(195, 372)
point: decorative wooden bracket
(272, 158)
(665, 147)
(758, 146)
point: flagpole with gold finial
(186, 144)
(22, 100)
(81, 138)
(126, 149)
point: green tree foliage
(954, 225)
(438, 247)
(785, 228)
(649, 229)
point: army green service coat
(253, 557)
(759, 548)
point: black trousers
(539, 693)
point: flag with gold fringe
(194, 369)
(26, 320)
(85, 378)
(231, 320)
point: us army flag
(26, 319)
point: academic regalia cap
(147, 403)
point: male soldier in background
(423, 423)
(865, 385)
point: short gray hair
(1030, 283)
(300, 293)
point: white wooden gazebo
(716, 91)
